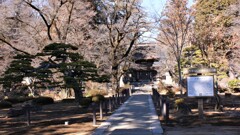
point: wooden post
(157, 99)
(113, 102)
(154, 95)
(165, 111)
(28, 116)
(130, 91)
(101, 110)
(200, 108)
(160, 105)
(106, 106)
(118, 99)
(94, 114)
(122, 98)
(27, 108)
(110, 104)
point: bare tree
(28, 25)
(174, 27)
(124, 23)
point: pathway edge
(106, 124)
(156, 125)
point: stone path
(136, 116)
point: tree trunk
(115, 80)
(179, 75)
(77, 91)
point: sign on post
(200, 86)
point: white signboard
(200, 86)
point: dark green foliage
(68, 100)
(63, 60)
(18, 99)
(12, 100)
(103, 78)
(58, 47)
(61, 51)
(98, 98)
(20, 67)
(5, 104)
(43, 100)
(192, 57)
(74, 69)
(71, 64)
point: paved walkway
(136, 116)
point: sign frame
(212, 89)
(199, 70)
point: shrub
(5, 104)
(221, 90)
(68, 100)
(43, 100)
(12, 100)
(85, 102)
(122, 89)
(98, 98)
(182, 106)
(95, 92)
(179, 101)
(170, 93)
(18, 99)
(235, 83)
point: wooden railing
(162, 104)
(109, 104)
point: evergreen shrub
(43, 100)
(5, 104)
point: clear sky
(155, 6)
(153, 9)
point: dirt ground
(226, 122)
(50, 121)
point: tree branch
(14, 48)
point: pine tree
(62, 58)
(19, 68)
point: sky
(153, 9)
(153, 6)
(156, 6)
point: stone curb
(155, 126)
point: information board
(200, 86)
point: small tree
(19, 68)
(71, 66)
(174, 27)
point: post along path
(137, 116)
